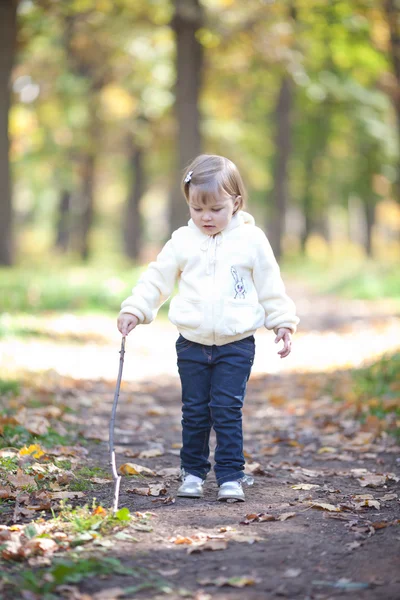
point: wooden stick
(116, 477)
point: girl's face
(213, 217)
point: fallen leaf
(371, 480)
(169, 472)
(292, 573)
(152, 453)
(238, 582)
(257, 518)
(324, 506)
(99, 510)
(134, 469)
(157, 489)
(156, 411)
(180, 539)
(62, 495)
(33, 450)
(21, 480)
(35, 424)
(39, 501)
(285, 516)
(326, 449)
(144, 491)
(211, 545)
(305, 486)
(6, 492)
(256, 469)
(167, 500)
(388, 497)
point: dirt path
(293, 436)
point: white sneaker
(192, 487)
(231, 490)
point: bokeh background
(107, 101)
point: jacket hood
(240, 218)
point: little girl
(229, 286)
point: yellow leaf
(133, 469)
(305, 486)
(326, 449)
(33, 449)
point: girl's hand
(285, 335)
(126, 322)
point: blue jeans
(214, 380)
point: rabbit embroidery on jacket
(240, 290)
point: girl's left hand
(285, 335)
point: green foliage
(44, 581)
(377, 388)
(352, 278)
(92, 518)
(70, 288)
(18, 436)
(9, 387)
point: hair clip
(188, 177)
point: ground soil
(305, 556)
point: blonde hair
(208, 175)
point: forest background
(104, 103)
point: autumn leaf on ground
(152, 453)
(35, 424)
(180, 539)
(39, 501)
(167, 500)
(169, 472)
(305, 486)
(365, 500)
(256, 469)
(6, 492)
(285, 516)
(34, 450)
(21, 480)
(237, 582)
(257, 518)
(212, 545)
(326, 449)
(143, 491)
(134, 469)
(324, 506)
(65, 495)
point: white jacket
(229, 284)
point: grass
(74, 288)
(44, 582)
(348, 277)
(18, 436)
(376, 393)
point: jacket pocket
(240, 316)
(185, 313)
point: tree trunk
(132, 221)
(188, 18)
(64, 221)
(283, 147)
(370, 213)
(86, 208)
(392, 10)
(8, 29)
